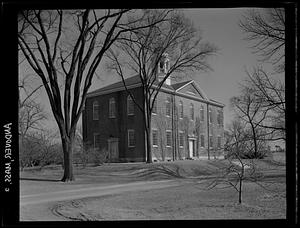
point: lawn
(188, 200)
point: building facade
(185, 123)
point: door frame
(110, 141)
(193, 140)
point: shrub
(88, 154)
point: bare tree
(270, 92)
(238, 169)
(267, 31)
(249, 109)
(64, 48)
(141, 52)
(234, 174)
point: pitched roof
(128, 81)
(180, 84)
(135, 81)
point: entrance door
(191, 148)
(113, 149)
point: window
(95, 110)
(192, 111)
(219, 142)
(131, 138)
(220, 118)
(161, 67)
(210, 141)
(169, 138)
(130, 106)
(112, 108)
(167, 65)
(154, 108)
(168, 106)
(202, 144)
(154, 138)
(210, 115)
(96, 141)
(201, 113)
(181, 139)
(180, 109)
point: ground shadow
(37, 179)
(161, 170)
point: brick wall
(115, 127)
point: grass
(189, 200)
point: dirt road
(94, 191)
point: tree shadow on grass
(37, 179)
(161, 170)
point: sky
(219, 27)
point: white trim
(130, 130)
(210, 144)
(112, 101)
(184, 85)
(154, 129)
(192, 107)
(181, 110)
(129, 98)
(197, 87)
(167, 138)
(95, 103)
(198, 99)
(219, 136)
(176, 92)
(168, 102)
(181, 132)
(203, 141)
(210, 116)
(95, 135)
(202, 110)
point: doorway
(192, 151)
(113, 149)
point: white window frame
(181, 110)
(95, 114)
(154, 105)
(156, 131)
(219, 145)
(220, 118)
(128, 137)
(168, 104)
(201, 113)
(211, 142)
(192, 108)
(202, 146)
(130, 101)
(168, 131)
(181, 132)
(95, 139)
(210, 116)
(112, 108)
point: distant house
(186, 124)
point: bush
(88, 154)
(38, 150)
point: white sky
(220, 27)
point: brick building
(185, 124)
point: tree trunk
(254, 141)
(68, 145)
(148, 145)
(240, 191)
